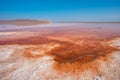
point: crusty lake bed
(60, 51)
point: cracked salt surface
(14, 66)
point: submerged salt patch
(7, 33)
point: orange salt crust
(78, 58)
(70, 57)
(74, 58)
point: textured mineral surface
(71, 51)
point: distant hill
(24, 22)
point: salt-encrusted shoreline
(13, 66)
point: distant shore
(24, 22)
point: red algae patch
(74, 59)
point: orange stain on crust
(75, 59)
(28, 53)
(70, 57)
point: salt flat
(14, 65)
(64, 52)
